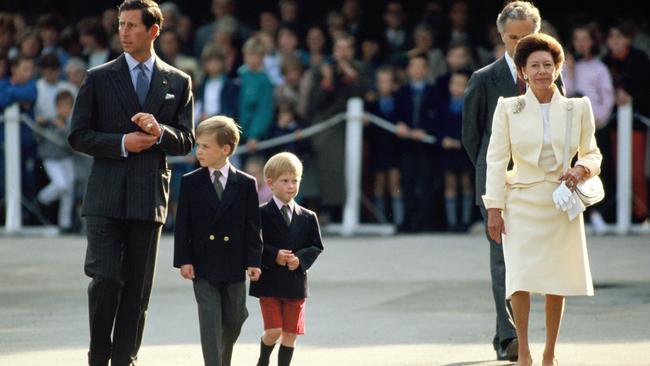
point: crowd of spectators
(281, 74)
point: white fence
(351, 224)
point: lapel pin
(164, 82)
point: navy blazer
(302, 237)
(220, 238)
(404, 107)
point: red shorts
(288, 314)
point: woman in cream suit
(544, 251)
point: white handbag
(590, 191)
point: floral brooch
(520, 103)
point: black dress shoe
(508, 352)
(512, 350)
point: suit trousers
(222, 312)
(418, 188)
(120, 259)
(505, 330)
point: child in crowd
(384, 149)
(58, 160)
(455, 162)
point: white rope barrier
(351, 225)
(390, 127)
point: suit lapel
(124, 87)
(158, 88)
(208, 188)
(278, 219)
(557, 122)
(531, 116)
(296, 222)
(502, 78)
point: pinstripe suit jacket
(135, 187)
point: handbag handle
(567, 135)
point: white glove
(576, 208)
(563, 197)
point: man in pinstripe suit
(129, 113)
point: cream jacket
(517, 133)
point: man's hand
(251, 145)
(293, 263)
(59, 123)
(147, 122)
(402, 129)
(139, 141)
(254, 273)
(449, 143)
(187, 271)
(622, 97)
(418, 134)
(283, 257)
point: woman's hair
(538, 42)
(284, 162)
(223, 128)
(594, 34)
(519, 10)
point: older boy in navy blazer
(217, 238)
(292, 242)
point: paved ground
(407, 300)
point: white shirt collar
(224, 171)
(133, 63)
(511, 65)
(279, 203)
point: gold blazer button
(211, 237)
(226, 239)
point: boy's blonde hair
(225, 130)
(254, 45)
(284, 162)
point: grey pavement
(407, 300)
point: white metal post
(13, 192)
(353, 151)
(624, 169)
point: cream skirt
(544, 252)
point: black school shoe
(509, 352)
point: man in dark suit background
(129, 113)
(517, 20)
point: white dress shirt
(225, 170)
(280, 204)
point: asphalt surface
(405, 300)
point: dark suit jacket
(135, 187)
(302, 237)
(404, 107)
(220, 238)
(483, 90)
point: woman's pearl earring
(526, 77)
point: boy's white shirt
(291, 205)
(225, 170)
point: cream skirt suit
(544, 252)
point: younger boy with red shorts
(292, 242)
